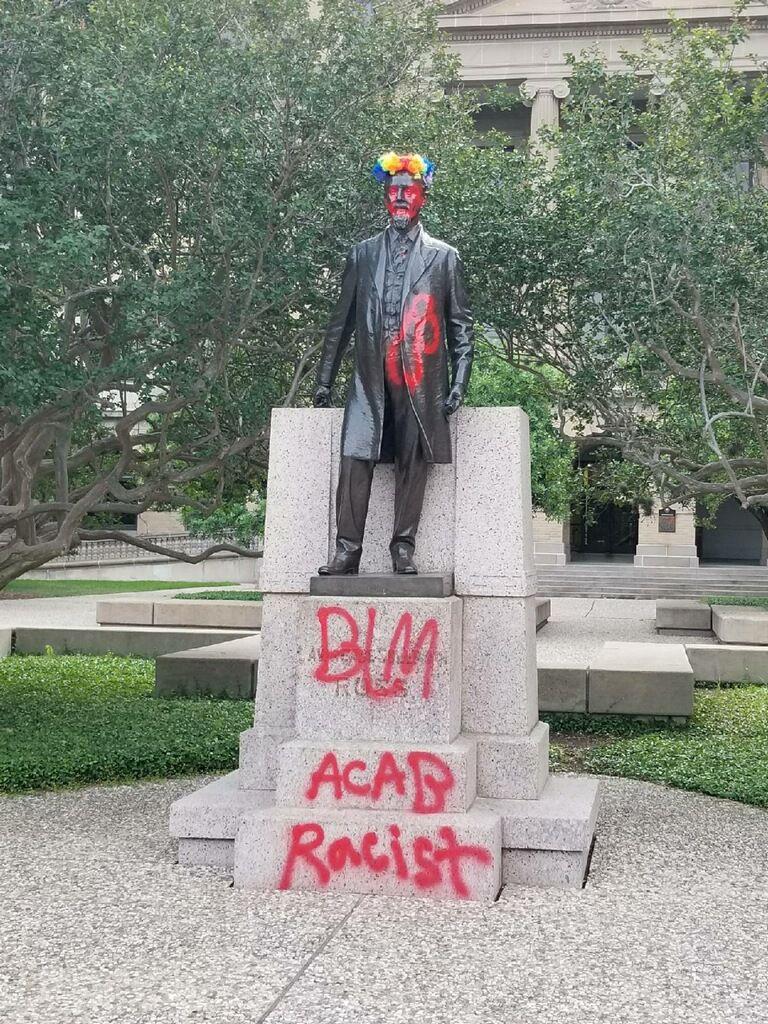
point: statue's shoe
(343, 563)
(402, 560)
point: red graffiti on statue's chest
(352, 655)
(418, 337)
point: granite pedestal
(396, 745)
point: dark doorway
(735, 536)
(604, 530)
(600, 528)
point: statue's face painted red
(404, 197)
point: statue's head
(406, 178)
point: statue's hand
(322, 397)
(454, 400)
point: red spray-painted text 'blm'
(352, 657)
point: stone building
(524, 43)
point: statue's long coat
(436, 336)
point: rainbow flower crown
(419, 167)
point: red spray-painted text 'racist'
(427, 865)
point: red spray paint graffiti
(428, 777)
(419, 336)
(351, 658)
(423, 862)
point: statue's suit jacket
(436, 335)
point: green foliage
(71, 588)
(737, 599)
(181, 181)
(494, 381)
(636, 263)
(232, 520)
(723, 751)
(221, 595)
(73, 719)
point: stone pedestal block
(514, 767)
(207, 853)
(499, 665)
(279, 661)
(427, 779)
(383, 584)
(379, 669)
(545, 869)
(298, 499)
(259, 755)
(494, 532)
(452, 856)
(396, 747)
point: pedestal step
(563, 818)
(425, 779)
(214, 811)
(545, 842)
(448, 856)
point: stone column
(544, 98)
(657, 547)
(551, 540)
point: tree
(182, 178)
(554, 485)
(642, 274)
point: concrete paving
(99, 925)
(578, 627)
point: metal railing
(117, 550)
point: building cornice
(582, 29)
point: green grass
(68, 720)
(71, 588)
(221, 595)
(748, 602)
(723, 751)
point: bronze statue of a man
(403, 296)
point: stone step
(139, 641)
(447, 856)
(563, 818)
(200, 614)
(228, 669)
(380, 776)
(214, 811)
(683, 616)
(728, 663)
(734, 625)
(379, 668)
(641, 679)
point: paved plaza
(80, 610)
(99, 925)
(579, 626)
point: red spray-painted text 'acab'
(351, 657)
(427, 775)
(422, 862)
